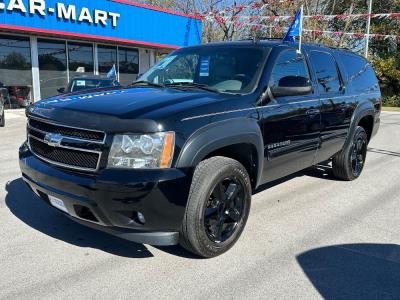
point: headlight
(147, 151)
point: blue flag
(295, 28)
(112, 73)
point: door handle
(312, 111)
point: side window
(326, 72)
(288, 65)
(361, 76)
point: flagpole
(301, 28)
(368, 29)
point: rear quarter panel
(363, 85)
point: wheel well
(367, 123)
(244, 153)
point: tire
(219, 197)
(3, 120)
(348, 164)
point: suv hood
(97, 108)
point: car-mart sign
(61, 11)
(117, 20)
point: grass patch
(388, 108)
(391, 101)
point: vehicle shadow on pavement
(322, 171)
(386, 152)
(354, 271)
(38, 215)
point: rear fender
(363, 109)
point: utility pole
(368, 28)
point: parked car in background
(85, 83)
(19, 96)
(15, 96)
(3, 95)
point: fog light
(141, 218)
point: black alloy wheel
(358, 155)
(224, 209)
(349, 163)
(218, 207)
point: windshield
(225, 69)
(86, 84)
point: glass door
(52, 67)
(15, 70)
(80, 59)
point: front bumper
(110, 199)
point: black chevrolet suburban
(175, 157)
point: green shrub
(393, 101)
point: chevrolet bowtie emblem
(53, 139)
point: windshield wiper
(193, 85)
(148, 83)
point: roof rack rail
(271, 38)
(260, 39)
(342, 48)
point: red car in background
(19, 96)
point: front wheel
(349, 163)
(217, 208)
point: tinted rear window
(361, 75)
(326, 72)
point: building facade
(45, 43)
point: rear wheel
(349, 163)
(217, 208)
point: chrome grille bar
(63, 149)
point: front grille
(75, 148)
(66, 157)
(67, 131)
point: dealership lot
(307, 237)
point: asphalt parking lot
(307, 237)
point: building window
(52, 67)
(16, 70)
(80, 59)
(107, 57)
(128, 65)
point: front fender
(220, 134)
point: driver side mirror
(292, 86)
(61, 90)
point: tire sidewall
(198, 236)
(359, 132)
